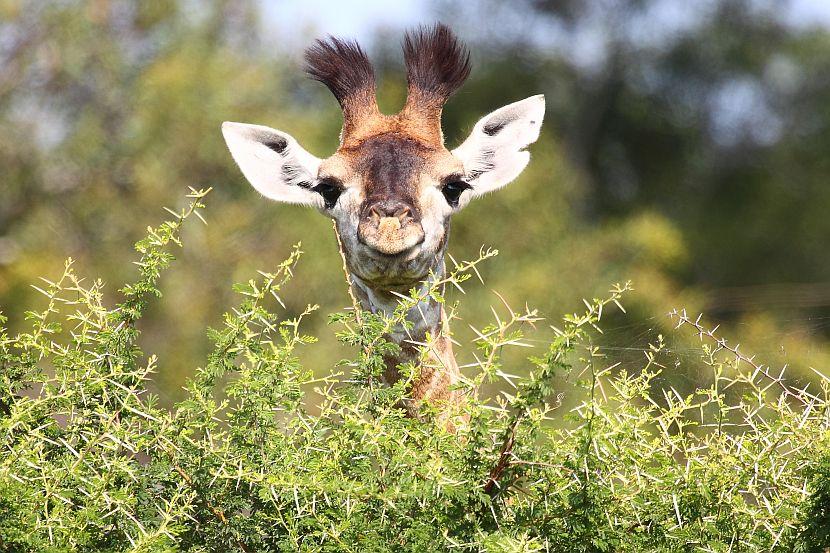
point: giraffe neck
(439, 372)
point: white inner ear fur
(493, 154)
(274, 163)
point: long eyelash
(455, 177)
(328, 185)
(331, 181)
(464, 185)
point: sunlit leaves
(264, 454)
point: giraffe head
(392, 185)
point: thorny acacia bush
(90, 462)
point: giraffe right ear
(274, 163)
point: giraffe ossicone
(392, 186)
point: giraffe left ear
(494, 154)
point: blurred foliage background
(685, 148)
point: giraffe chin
(399, 271)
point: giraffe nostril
(385, 209)
(404, 215)
(374, 214)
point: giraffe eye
(330, 191)
(452, 191)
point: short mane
(344, 68)
(437, 64)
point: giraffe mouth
(388, 238)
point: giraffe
(392, 186)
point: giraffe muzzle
(389, 228)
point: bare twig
(355, 305)
(504, 460)
(684, 319)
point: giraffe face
(392, 198)
(392, 186)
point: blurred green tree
(110, 110)
(687, 161)
(713, 114)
